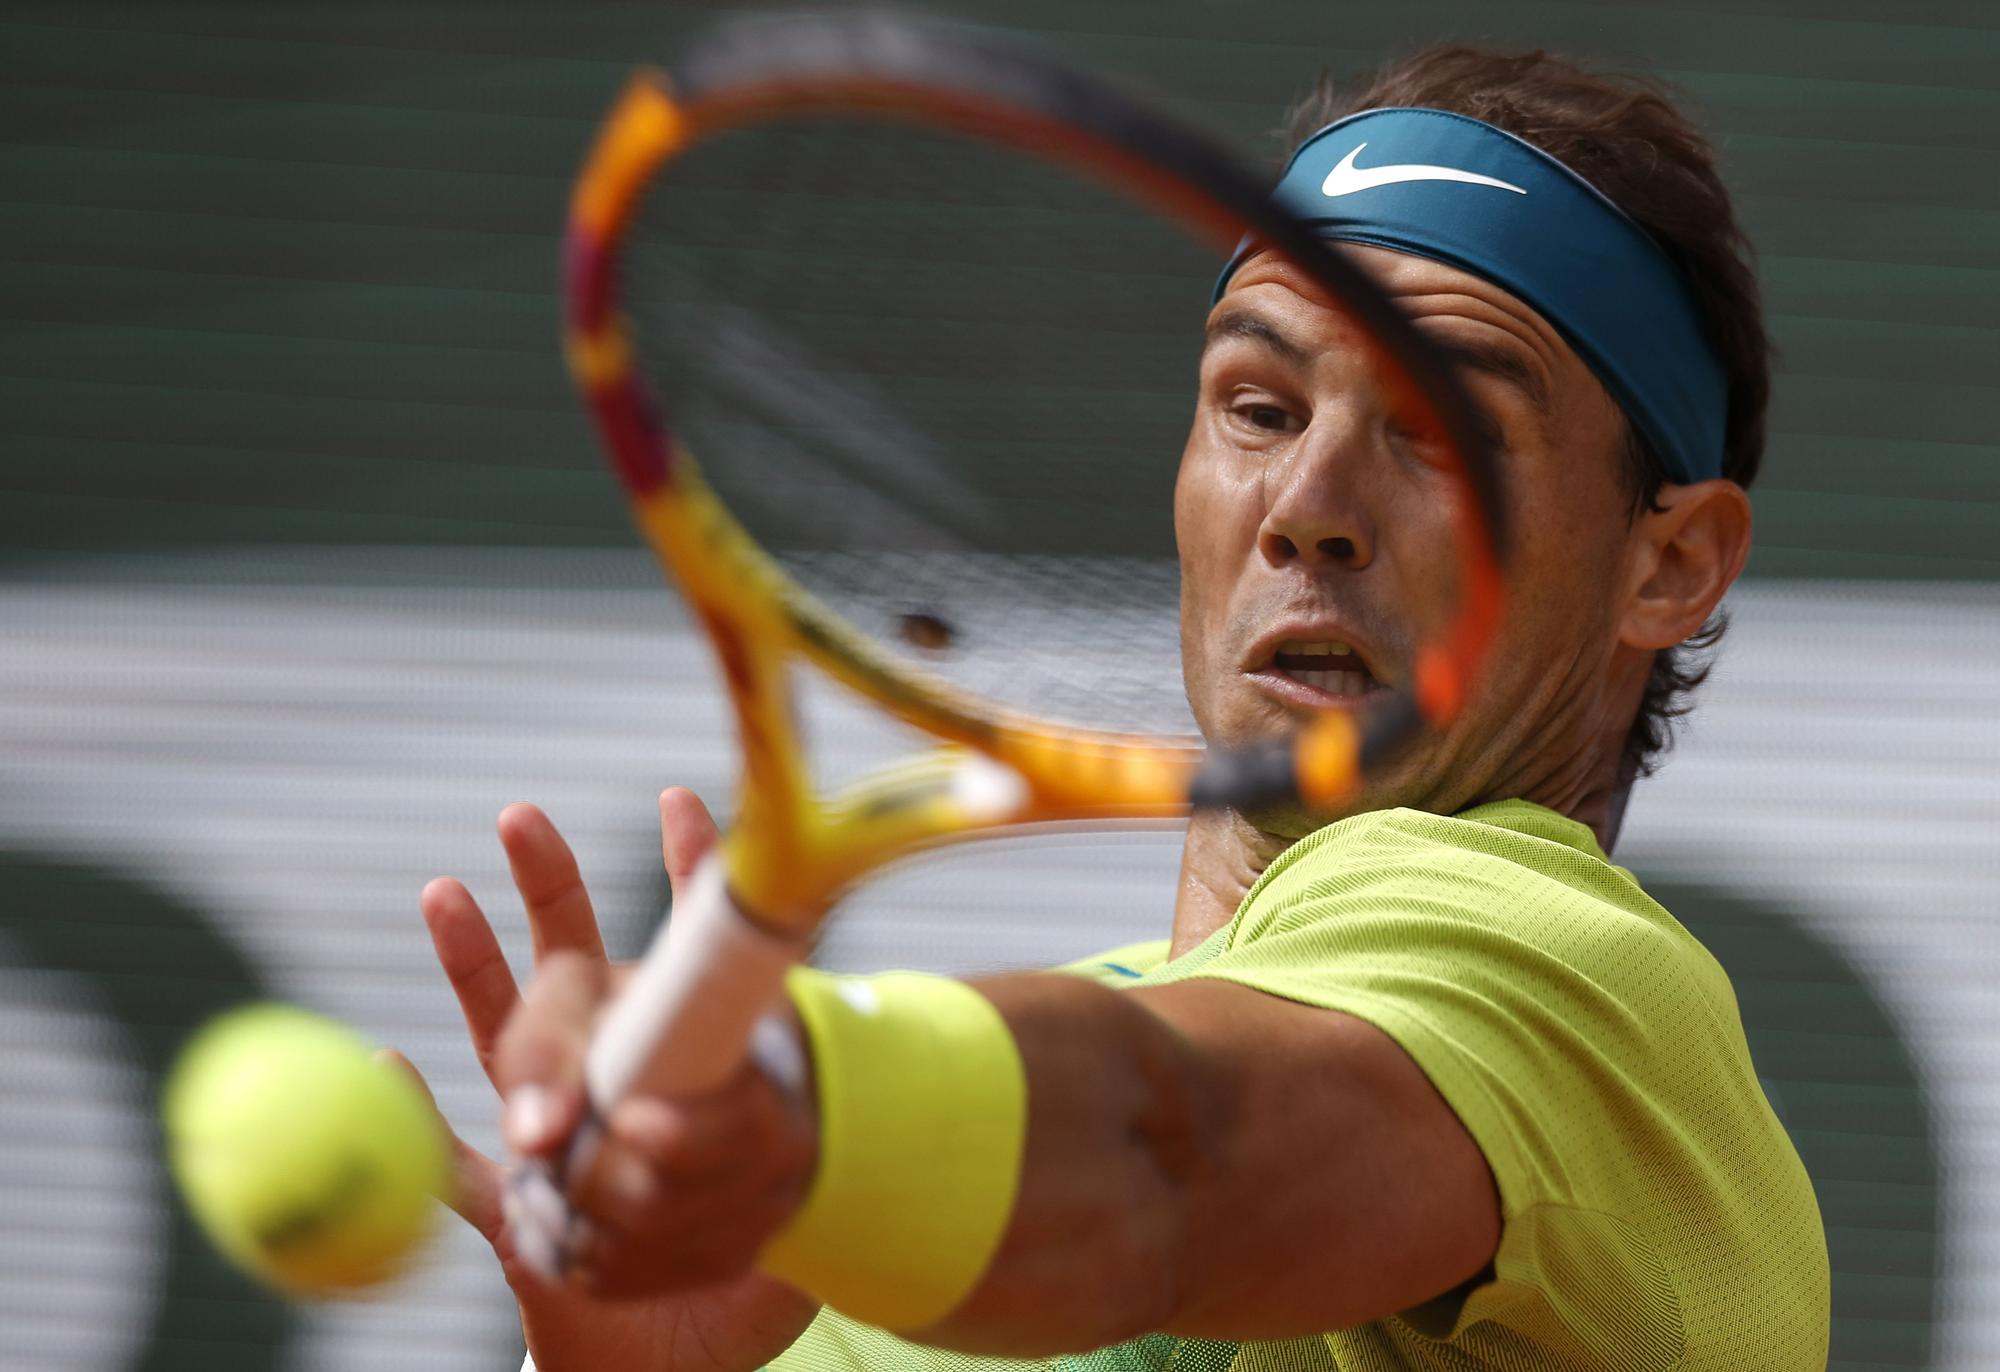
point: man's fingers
(689, 1138)
(539, 1065)
(658, 1153)
(652, 1144)
(545, 871)
(693, 1219)
(687, 832)
(472, 962)
(473, 1188)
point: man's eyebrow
(1489, 356)
(1499, 361)
(1239, 323)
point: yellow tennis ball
(310, 1164)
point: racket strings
(1086, 640)
(946, 386)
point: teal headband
(1461, 192)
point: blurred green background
(284, 272)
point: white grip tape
(697, 994)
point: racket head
(746, 562)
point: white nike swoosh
(1347, 178)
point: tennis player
(1435, 1086)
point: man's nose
(1314, 512)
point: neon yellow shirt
(1655, 1214)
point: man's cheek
(1223, 701)
(1200, 670)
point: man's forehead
(1424, 287)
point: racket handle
(682, 1024)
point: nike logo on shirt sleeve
(1346, 178)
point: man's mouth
(1321, 673)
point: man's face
(1315, 530)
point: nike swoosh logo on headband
(1346, 178)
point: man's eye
(1432, 438)
(1489, 430)
(1271, 418)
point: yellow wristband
(923, 1111)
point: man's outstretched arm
(1200, 1158)
(1212, 1161)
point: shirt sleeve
(1121, 966)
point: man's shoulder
(1588, 1042)
(1510, 856)
(1518, 833)
(1510, 892)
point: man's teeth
(1327, 665)
(1334, 683)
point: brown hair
(1627, 138)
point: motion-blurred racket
(929, 306)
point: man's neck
(1221, 860)
(1589, 786)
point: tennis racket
(929, 306)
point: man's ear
(1686, 554)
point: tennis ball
(310, 1164)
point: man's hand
(678, 1194)
(740, 1322)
